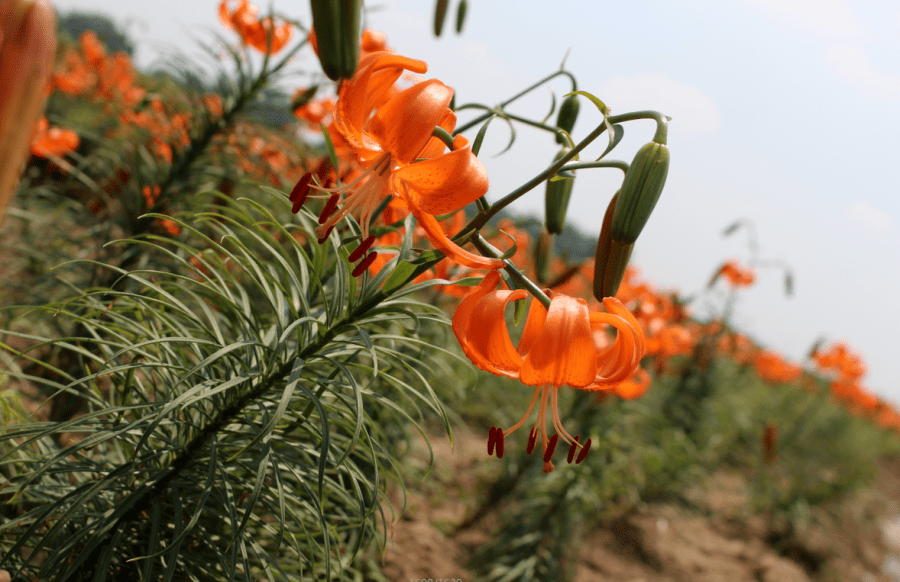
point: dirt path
(856, 540)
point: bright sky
(783, 113)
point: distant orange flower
(737, 275)
(772, 368)
(53, 141)
(390, 132)
(558, 347)
(261, 34)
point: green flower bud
(336, 23)
(611, 258)
(640, 191)
(440, 14)
(461, 15)
(556, 200)
(568, 113)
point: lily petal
(444, 184)
(567, 354)
(403, 125)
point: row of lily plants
(223, 334)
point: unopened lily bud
(336, 23)
(568, 113)
(640, 191)
(461, 11)
(543, 256)
(611, 258)
(27, 47)
(556, 200)
(440, 14)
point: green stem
(662, 122)
(488, 249)
(480, 118)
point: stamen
(361, 249)
(527, 413)
(584, 451)
(572, 448)
(300, 192)
(532, 440)
(495, 440)
(492, 437)
(557, 423)
(364, 264)
(329, 208)
(551, 446)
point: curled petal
(404, 124)
(369, 88)
(441, 242)
(480, 326)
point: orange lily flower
(263, 35)
(558, 347)
(389, 131)
(53, 141)
(772, 368)
(736, 275)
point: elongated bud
(336, 23)
(27, 46)
(611, 258)
(568, 113)
(543, 256)
(461, 11)
(640, 191)
(556, 200)
(440, 14)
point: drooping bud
(27, 47)
(556, 200)
(440, 14)
(336, 23)
(611, 258)
(644, 182)
(461, 11)
(568, 113)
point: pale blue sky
(783, 113)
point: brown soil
(712, 538)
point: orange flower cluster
(263, 34)
(92, 72)
(53, 141)
(661, 317)
(772, 368)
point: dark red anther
(583, 452)
(329, 208)
(499, 443)
(532, 440)
(572, 448)
(551, 446)
(495, 441)
(492, 439)
(300, 192)
(364, 264)
(360, 250)
(325, 236)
